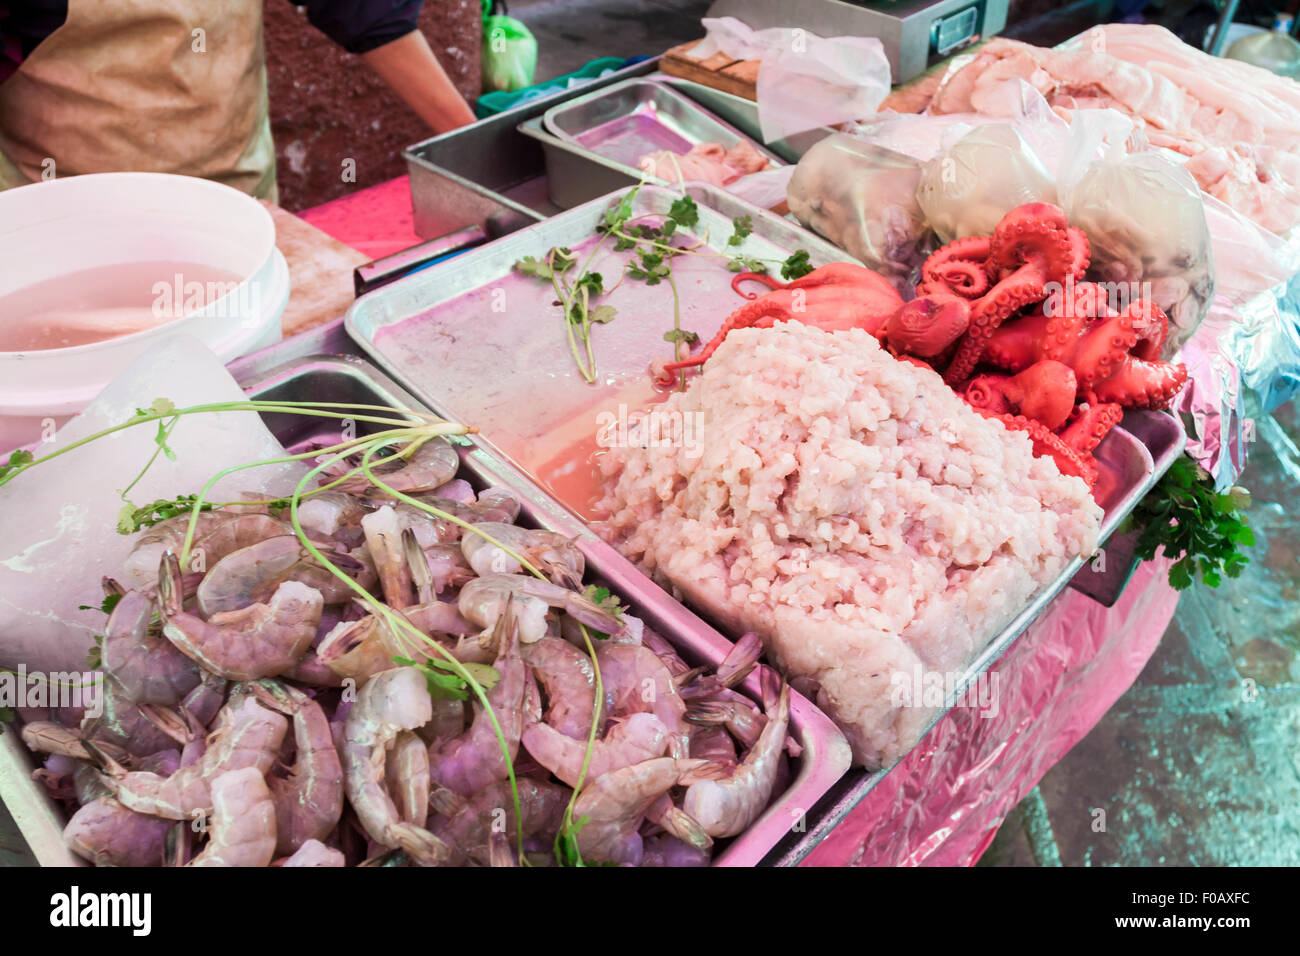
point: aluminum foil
(1265, 343)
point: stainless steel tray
(743, 114)
(825, 756)
(488, 174)
(592, 143)
(626, 120)
(483, 344)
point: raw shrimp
(141, 565)
(384, 541)
(553, 554)
(637, 681)
(233, 532)
(389, 703)
(311, 670)
(147, 667)
(334, 514)
(407, 776)
(448, 721)
(261, 640)
(496, 504)
(309, 799)
(639, 738)
(666, 850)
(252, 574)
(569, 678)
(243, 821)
(247, 735)
(615, 804)
(362, 648)
(714, 744)
(204, 701)
(740, 660)
(482, 600)
(470, 762)
(448, 532)
(124, 724)
(458, 489)
(468, 824)
(742, 719)
(725, 800)
(108, 834)
(447, 567)
(429, 464)
(678, 822)
(314, 853)
(47, 737)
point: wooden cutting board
(320, 272)
(738, 77)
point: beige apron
(175, 86)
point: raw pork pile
(855, 512)
(1238, 125)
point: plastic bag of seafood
(1145, 218)
(862, 197)
(967, 189)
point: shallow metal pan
(825, 756)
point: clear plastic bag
(804, 81)
(966, 190)
(1144, 216)
(862, 197)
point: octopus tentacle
(762, 313)
(1044, 392)
(1034, 232)
(1138, 383)
(1092, 422)
(927, 326)
(762, 277)
(1046, 444)
(1023, 287)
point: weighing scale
(916, 35)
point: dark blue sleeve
(362, 25)
(23, 25)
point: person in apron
(179, 86)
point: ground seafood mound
(851, 509)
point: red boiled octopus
(1062, 364)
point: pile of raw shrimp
(383, 685)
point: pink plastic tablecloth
(377, 221)
(944, 803)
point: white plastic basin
(64, 226)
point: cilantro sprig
(1185, 518)
(445, 684)
(653, 250)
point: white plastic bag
(804, 81)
